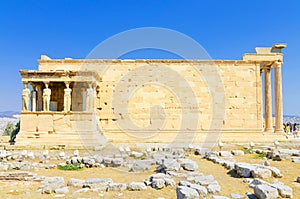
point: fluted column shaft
(278, 98)
(268, 101)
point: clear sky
(226, 29)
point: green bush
(260, 155)
(10, 127)
(246, 150)
(69, 167)
(11, 130)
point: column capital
(267, 69)
(266, 65)
(67, 83)
(33, 85)
(278, 63)
(25, 83)
(46, 83)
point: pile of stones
(243, 169)
(20, 176)
(57, 185)
(263, 189)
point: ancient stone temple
(69, 101)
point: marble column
(39, 97)
(278, 98)
(268, 100)
(33, 97)
(67, 97)
(46, 97)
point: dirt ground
(228, 183)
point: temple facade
(69, 101)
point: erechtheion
(71, 101)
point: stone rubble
(170, 163)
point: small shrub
(246, 150)
(260, 155)
(10, 127)
(69, 167)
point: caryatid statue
(67, 97)
(90, 98)
(46, 98)
(25, 98)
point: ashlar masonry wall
(166, 86)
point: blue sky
(226, 29)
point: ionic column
(278, 98)
(67, 97)
(268, 100)
(33, 97)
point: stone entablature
(83, 86)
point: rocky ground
(159, 172)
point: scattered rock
(89, 162)
(158, 183)
(116, 187)
(2, 154)
(63, 190)
(184, 192)
(204, 180)
(266, 163)
(97, 183)
(83, 190)
(201, 151)
(177, 153)
(264, 191)
(244, 169)
(76, 153)
(283, 190)
(170, 165)
(136, 186)
(238, 152)
(236, 196)
(202, 191)
(98, 158)
(184, 183)
(136, 154)
(188, 164)
(220, 197)
(177, 174)
(296, 159)
(275, 172)
(259, 172)
(158, 158)
(75, 182)
(51, 183)
(225, 154)
(213, 188)
(62, 155)
(140, 166)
